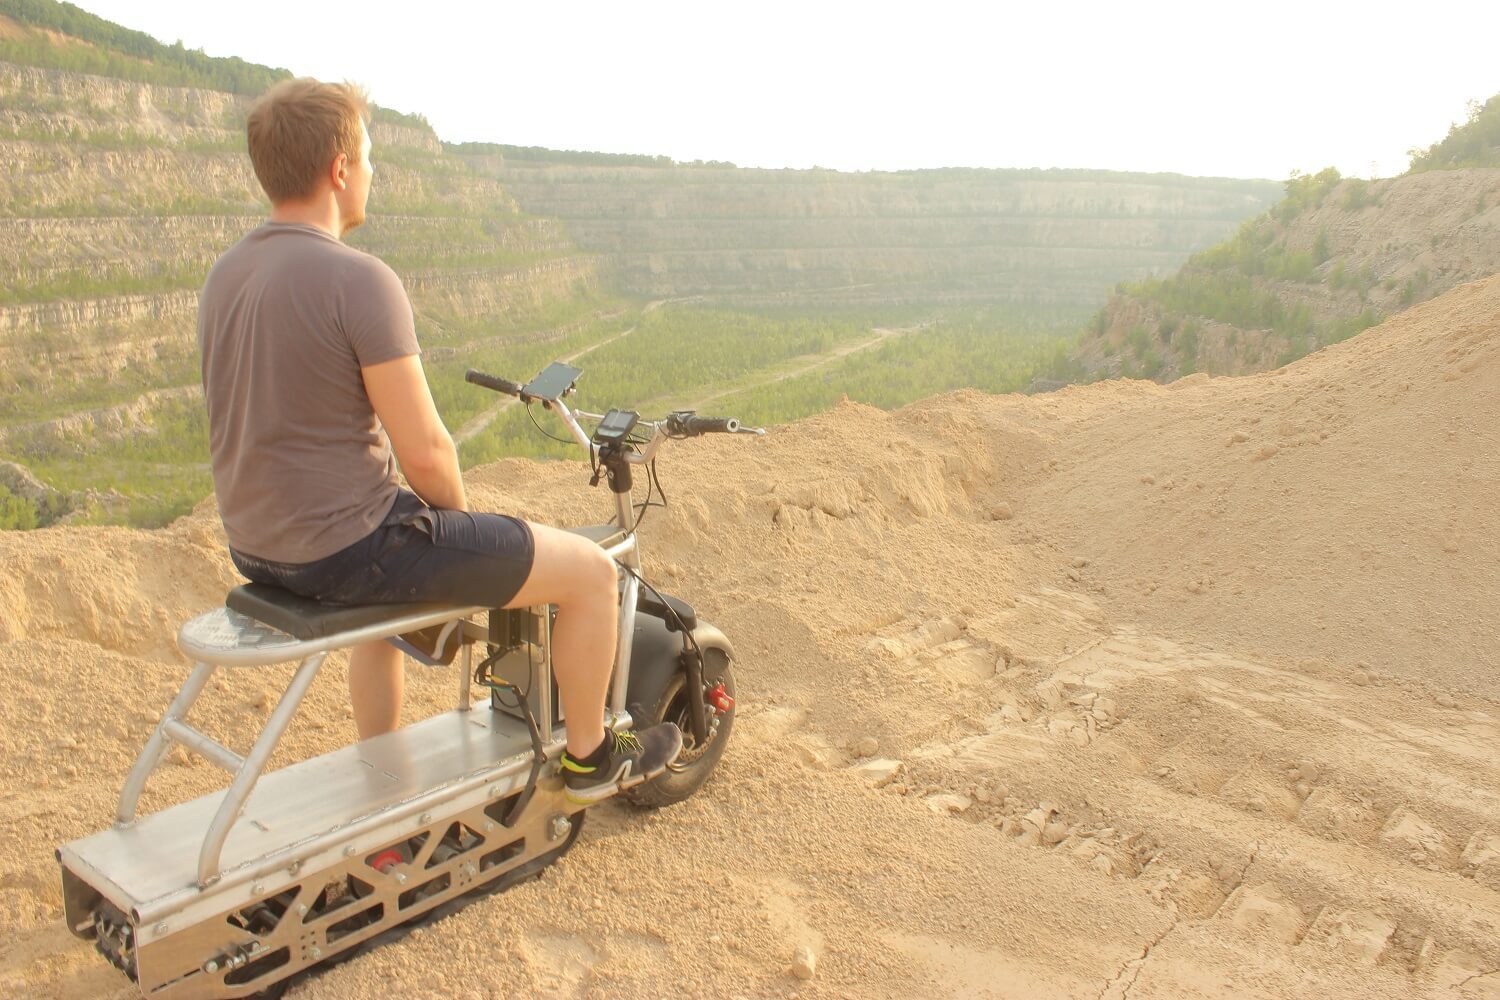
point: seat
(306, 618)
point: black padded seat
(305, 618)
(602, 535)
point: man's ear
(338, 172)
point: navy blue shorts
(418, 553)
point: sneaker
(633, 757)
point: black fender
(656, 658)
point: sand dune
(1126, 689)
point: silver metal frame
(171, 920)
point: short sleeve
(377, 315)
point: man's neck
(316, 212)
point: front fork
(692, 665)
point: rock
(1360, 678)
(1054, 833)
(1308, 770)
(1406, 831)
(804, 963)
(1264, 910)
(1108, 707)
(948, 802)
(1482, 851)
(1446, 701)
(1011, 713)
(1103, 863)
(865, 746)
(1037, 820)
(1239, 437)
(1080, 562)
(178, 756)
(1080, 736)
(1265, 451)
(1051, 694)
(1001, 512)
(1084, 699)
(877, 772)
(1362, 935)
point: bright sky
(1255, 89)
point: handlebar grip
(495, 382)
(708, 425)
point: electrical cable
(541, 430)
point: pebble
(1001, 512)
(1266, 451)
(804, 963)
(1239, 437)
(1447, 701)
(877, 772)
(1080, 562)
(947, 802)
(866, 746)
(1360, 677)
(1054, 833)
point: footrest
(305, 618)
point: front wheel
(697, 761)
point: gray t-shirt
(287, 318)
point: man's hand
(398, 392)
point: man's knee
(601, 575)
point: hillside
(1188, 690)
(124, 177)
(1049, 239)
(1332, 258)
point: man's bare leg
(576, 575)
(376, 678)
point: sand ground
(1122, 690)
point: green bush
(16, 514)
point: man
(315, 392)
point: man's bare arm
(398, 392)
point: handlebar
(684, 422)
(495, 382)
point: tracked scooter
(241, 892)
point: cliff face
(116, 196)
(1333, 258)
(1037, 237)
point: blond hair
(296, 129)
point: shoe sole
(589, 796)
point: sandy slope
(1192, 690)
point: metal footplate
(237, 891)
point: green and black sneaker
(623, 760)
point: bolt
(489, 825)
(425, 818)
(401, 878)
(160, 928)
(295, 868)
(469, 869)
(210, 966)
(315, 953)
(301, 909)
(349, 851)
(255, 947)
(257, 888)
(559, 827)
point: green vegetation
(1475, 143)
(541, 154)
(16, 513)
(120, 52)
(977, 351)
(112, 281)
